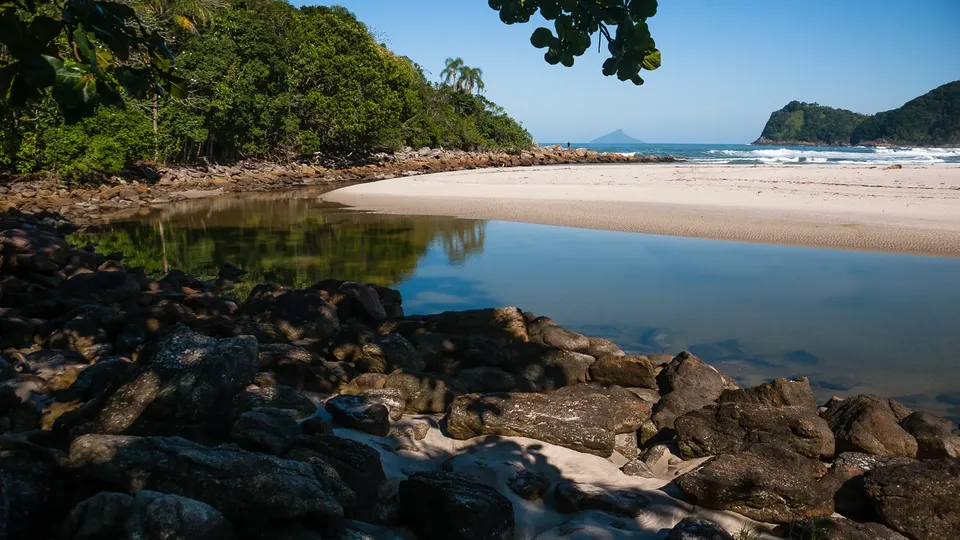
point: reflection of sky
(854, 322)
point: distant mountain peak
(616, 137)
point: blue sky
(727, 64)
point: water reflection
(852, 322)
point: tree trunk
(154, 105)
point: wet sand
(914, 210)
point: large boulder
(544, 331)
(778, 393)
(388, 352)
(35, 494)
(626, 371)
(486, 379)
(686, 384)
(537, 368)
(728, 428)
(236, 482)
(836, 528)
(585, 418)
(102, 287)
(919, 500)
(358, 412)
(299, 314)
(184, 383)
(89, 330)
(697, 529)
(870, 424)
(767, 483)
(934, 435)
(275, 397)
(447, 506)
(424, 392)
(148, 516)
(575, 497)
(267, 430)
(846, 475)
(503, 325)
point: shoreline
(911, 210)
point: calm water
(853, 322)
(759, 155)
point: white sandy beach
(915, 209)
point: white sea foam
(852, 155)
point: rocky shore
(85, 203)
(134, 406)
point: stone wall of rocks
(141, 407)
(145, 186)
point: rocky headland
(90, 202)
(134, 406)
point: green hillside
(810, 123)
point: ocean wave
(852, 155)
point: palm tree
(471, 78)
(451, 72)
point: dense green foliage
(811, 123)
(631, 46)
(932, 119)
(266, 81)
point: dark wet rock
(729, 428)
(149, 516)
(544, 331)
(530, 485)
(870, 424)
(266, 430)
(600, 347)
(846, 475)
(698, 529)
(836, 528)
(389, 352)
(767, 484)
(357, 412)
(357, 301)
(285, 357)
(184, 383)
(686, 384)
(298, 314)
(486, 379)
(209, 304)
(220, 476)
(350, 338)
(934, 435)
(575, 497)
(637, 467)
(627, 371)
(35, 495)
(446, 506)
(503, 325)
(318, 423)
(326, 377)
(920, 499)
(357, 465)
(277, 397)
(89, 330)
(102, 287)
(424, 392)
(778, 393)
(165, 314)
(34, 242)
(577, 418)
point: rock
(184, 383)
(544, 331)
(35, 495)
(357, 301)
(276, 397)
(920, 499)
(99, 379)
(149, 516)
(658, 458)
(416, 431)
(637, 467)
(219, 476)
(600, 348)
(486, 379)
(778, 393)
(318, 423)
(267, 430)
(625, 444)
(15, 331)
(89, 330)
(729, 428)
(357, 412)
(870, 424)
(767, 484)
(357, 465)
(836, 528)
(575, 497)
(389, 352)
(846, 475)
(530, 485)
(686, 384)
(503, 325)
(363, 382)
(447, 506)
(698, 529)
(575, 417)
(290, 363)
(424, 392)
(627, 371)
(102, 287)
(298, 314)
(934, 435)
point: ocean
(745, 154)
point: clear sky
(727, 64)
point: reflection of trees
(295, 242)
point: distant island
(932, 119)
(616, 137)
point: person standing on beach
(568, 146)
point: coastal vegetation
(262, 80)
(932, 119)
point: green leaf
(44, 29)
(542, 38)
(552, 57)
(566, 59)
(651, 61)
(38, 71)
(84, 48)
(550, 9)
(642, 9)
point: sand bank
(910, 210)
